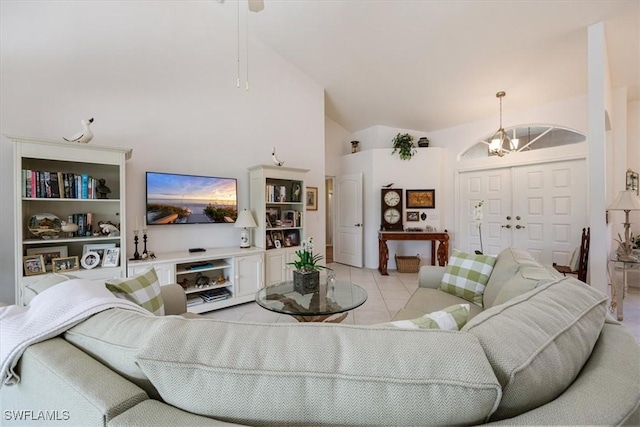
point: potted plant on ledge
(306, 276)
(404, 144)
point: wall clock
(391, 212)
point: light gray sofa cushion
(326, 374)
(428, 300)
(114, 338)
(538, 342)
(509, 262)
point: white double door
(541, 208)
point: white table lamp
(626, 201)
(245, 221)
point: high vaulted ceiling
(432, 64)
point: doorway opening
(329, 213)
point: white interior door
(540, 208)
(493, 188)
(348, 238)
(550, 210)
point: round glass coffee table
(339, 297)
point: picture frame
(69, 263)
(277, 244)
(269, 240)
(312, 198)
(296, 192)
(421, 199)
(632, 181)
(99, 248)
(293, 237)
(273, 215)
(111, 257)
(90, 260)
(33, 265)
(277, 237)
(413, 216)
(49, 253)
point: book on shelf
(276, 193)
(57, 185)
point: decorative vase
(306, 282)
(423, 142)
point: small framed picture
(111, 257)
(413, 216)
(269, 239)
(90, 260)
(277, 235)
(421, 199)
(48, 254)
(273, 216)
(69, 263)
(33, 264)
(98, 248)
(632, 181)
(277, 244)
(296, 192)
(267, 221)
(293, 236)
(312, 198)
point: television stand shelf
(213, 279)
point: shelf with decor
(60, 185)
(277, 202)
(213, 279)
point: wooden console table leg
(383, 257)
(443, 252)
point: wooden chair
(583, 258)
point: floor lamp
(626, 201)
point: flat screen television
(190, 199)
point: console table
(442, 244)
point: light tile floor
(386, 296)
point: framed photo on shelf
(413, 216)
(98, 248)
(312, 198)
(296, 192)
(278, 238)
(33, 264)
(69, 263)
(48, 254)
(273, 215)
(269, 240)
(421, 199)
(111, 257)
(293, 237)
(90, 260)
(632, 181)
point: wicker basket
(408, 264)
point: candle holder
(144, 240)
(136, 255)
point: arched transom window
(525, 138)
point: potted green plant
(404, 144)
(306, 276)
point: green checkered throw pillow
(467, 275)
(143, 289)
(450, 319)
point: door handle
(508, 218)
(358, 225)
(506, 226)
(518, 218)
(520, 226)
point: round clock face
(392, 198)
(392, 216)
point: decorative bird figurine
(387, 186)
(275, 159)
(83, 136)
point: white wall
(172, 99)
(380, 168)
(337, 143)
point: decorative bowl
(45, 226)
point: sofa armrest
(155, 413)
(56, 377)
(175, 300)
(430, 276)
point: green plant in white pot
(403, 143)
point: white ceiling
(431, 64)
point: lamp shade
(245, 220)
(627, 200)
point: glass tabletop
(338, 297)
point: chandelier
(500, 143)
